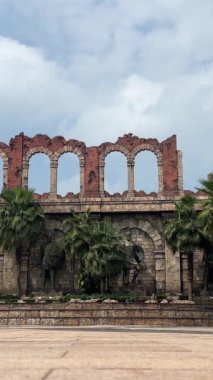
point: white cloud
(94, 70)
(127, 110)
(34, 92)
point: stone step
(84, 314)
(103, 313)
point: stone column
(82, 167)
(131, 166)
(184, 273)
(25, 173)
(173, 275)
(53, 177)
(180, 173)
(101, 177)
(24, 275)
(160, 177)
(5, 173)
(9, 273)
(160, 276)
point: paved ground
(106, 353)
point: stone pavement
(41, 353)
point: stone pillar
(53, 177)
(180, 172)
(82, 167)
(184, 273)
(25, 173)
(9, 273)
(131, 166)
(173, 275)
(160, 177)
(160, 276)
(24, 269)
(5, 173)
(101, 176)
(91, 173)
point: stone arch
(144, 234)
(152, 276)
(80, 155)
(114, 148)
(150, 147)
(145, 226)
(36, 150)
(109, 149)
(5, 160)
(158, 154)
(25, 163)
(69, 149)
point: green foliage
(160, 297)
(100, 297)
(106, 256)
(87, 282)
(30, 300)
(9, 298)
(206, 215)
(98, 248)
(183, 297)
(22, 223)
(77, 238)
(183, 232)
(21, 219)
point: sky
(93, 70)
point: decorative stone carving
(53, 259)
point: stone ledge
(102, 314)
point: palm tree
(77, 238)
(183, 233)
(206, 215)
(106, 256)
(21, 224)
(206, 219)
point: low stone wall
(88, 313)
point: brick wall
(21, 148)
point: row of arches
(68, 174)
(115, 173)
(63, 171)
(145, 173)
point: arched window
(1, 174)
(146, 172)
(39, 173)
(68, 174)
(115, 173)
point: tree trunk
(102, 285)
(190, 276)
(73, 275)
(28, 260)
(108, 285)
(27, 285)
(18, 278)
(205, 275)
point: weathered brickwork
(137, 212)
(16, 158)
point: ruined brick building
(141, 214)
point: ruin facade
(132, 211)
